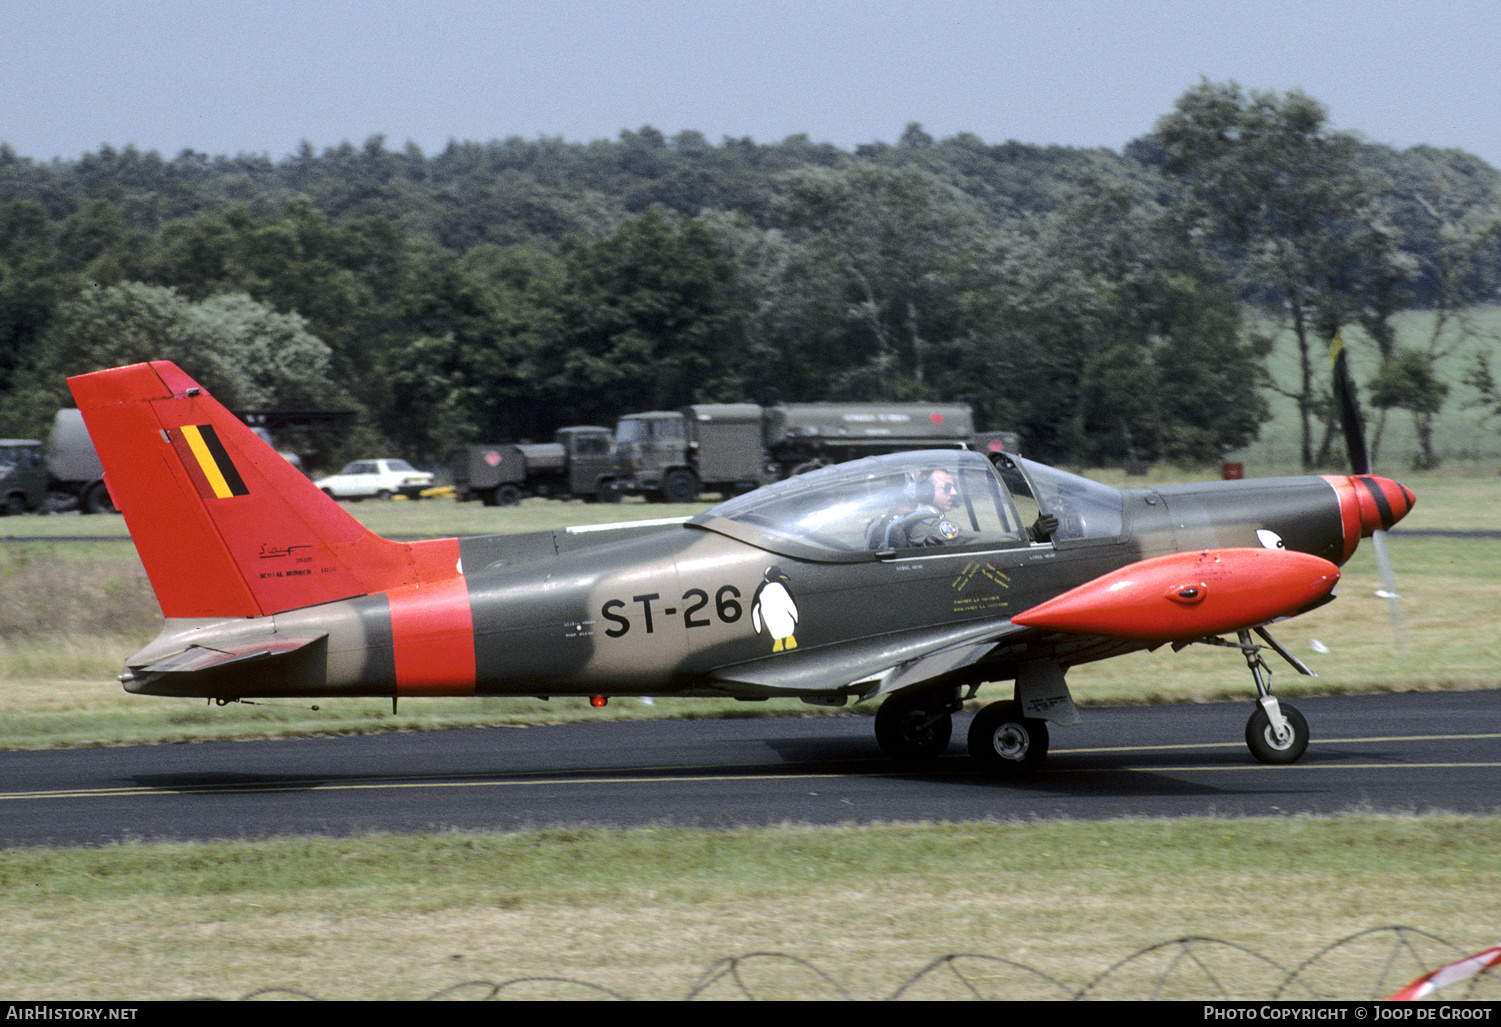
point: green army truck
(76, 471)
(578, 464)
(24, 479)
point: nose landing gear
(1276, 733)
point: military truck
(672, 456)
(24, 479)
(76, 470)
(578, 464)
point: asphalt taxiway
(1401, 753)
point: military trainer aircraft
(912, 578)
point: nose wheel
(1276, 732)
(1282, 743)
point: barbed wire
(1190, 967)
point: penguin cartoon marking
(774, 610)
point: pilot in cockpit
(922, 518)
(925, 516)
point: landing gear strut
(1276, 733)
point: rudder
(224, 525)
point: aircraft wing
(879, 664)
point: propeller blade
(1349, 407)
(1360, 463)
(1389, 587)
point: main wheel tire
(1005, 743)
(1264, 743)
(609, 492)
(910, 729)
(680, 487)
(507, 495)
(15, 505)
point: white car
(379, 478)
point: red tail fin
(223, 524)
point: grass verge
(645, 912)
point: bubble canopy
(843, 513)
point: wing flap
(876, 665)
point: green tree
(1279, 198)
(884, 252)
(473, 373)
(242, 351)
(32, 283)
(201, 256)
(1408, 381)
(648, 319)
(352, 283)
(98, 244)
(1462, 279)
(1099, 335)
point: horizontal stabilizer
(1189, 595)
(197, 658)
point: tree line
(1104, 305)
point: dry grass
(44, 594)
(644, 913)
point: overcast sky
(260, 76)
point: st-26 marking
(726, 608)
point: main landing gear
(915, 729)
(1004, 743)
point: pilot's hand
(1042, 529)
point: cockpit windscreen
(879, 504)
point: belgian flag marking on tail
(207, 461)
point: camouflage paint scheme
(272, 589)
